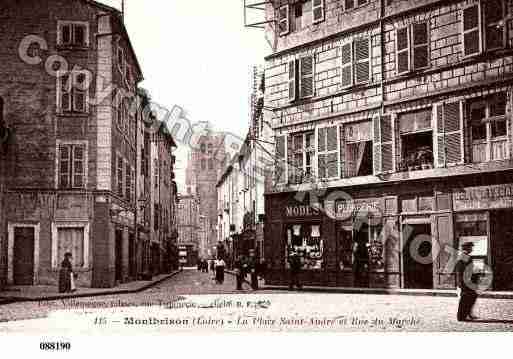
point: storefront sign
(371, 207)
(301, 211)
(484, 197)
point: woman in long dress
(66, 280)
(220, 264)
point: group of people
(216, 266)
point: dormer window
(73, 33)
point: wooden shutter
(79, 35)
(78, 166)
(449, 134)
(284, 20)
(472, 37)
(306, 78)
(79, 92)
(321, 149)
(362, 60)
(328, 156)
(120, 175)
(342, 151)
(443, 237)
(64, 166)
(403, 50)
(65, 85)
(349, 4)
(290, 159)
(347, 65)
(66, 34)
(280, 169)
(383, 144)
(292, 80)
(318, 11)
(420, 34)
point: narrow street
(263, 310)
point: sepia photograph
(255, 167)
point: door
(418, 257)
(132, 257)
(502, 249)
(119, 255)
(361, 257)
(23, 256)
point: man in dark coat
(239, 271)
(465, 283)
(65, 274)
(295, 270)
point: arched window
(203, 148)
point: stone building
(188, 229)
(393, 131)
(70, 76)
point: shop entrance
(502, 249)
(118, 253)
(417, 256)
(361, 257)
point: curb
(11, 300)
(378, 291)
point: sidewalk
(38, 293)
(413, 292)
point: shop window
(484, 27)
(474, 228)
(415, 141)
(358, 149)
(488, 128)
(305, 241)
(302, 156)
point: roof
(119, 17)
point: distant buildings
(78, 149)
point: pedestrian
(361, 264)
(66, 275)
(220, 265)
(254, 272)
(465, 282)
(239, 272)
(295, 271)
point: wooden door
(23, 256)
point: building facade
(393, 132)
(188, 229)
(71, 164)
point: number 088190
(54, 346)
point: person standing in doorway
(239, 270)
(361, 264)
(465, 283)
(295, 271)
(66, 276)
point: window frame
(321, 5)
(73, 90)
(71, 159)
(73, 24)
(55, 245)
(346, 143)
(327, 152)
(411, 47)
(286, 19)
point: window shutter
(362, 60)
(397, 145)
(78, 166)
(64, 166)
(306, 69)
(128, 181)
(65, 91)
(328, 156)
(420, 45)
(292, 80)
(342, 155)
(120, 176)
(383, 144)
(290, 159)
(79, 33)
(318, 11)
(321, 149)
(349, 4)
(347, 65)
(449, 134)
(403, 50)
(80, 92)
(66, 34)
(283, 20)
(495, 34)
(472, 40)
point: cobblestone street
(354, 312)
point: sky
(198, 55)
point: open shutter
(78, 166)
(420, 34)
(349, 4)
(65, 84)
(280, 169)
(80, 92)
(290, 159)
(403, 50)
(306, 69)
(383, 144)
(66, 34)
(347, 65)
(443, 237)
(321, 149)
(64, 166)
(472, 39)
(449, 134)
(292, 80)
(328, 156)
(362, 60)
(283, 20)
(318, 11)
(342, 150)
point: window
(412, 48)
(473, 227)
(358, 149)
(129, 184)
(302, 153)
(318, 11)
(210, 164)
(297, 23)
(203, 164)
(355, 62)
(156, 172)
(352, 4)
(203, 148)
(301, 78)
(120, 176)
(72, 165)
(73, 89)
(72, 33)
(71, 240)
(280, 166)
(484, 27)
(284, 20)
(488, 128)
(415, 140)
(305, 241)
(327, 158)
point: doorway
(502, 249)
(119, 255)
(23, 256)
(132, 256)
(418, 256)
(361, 257)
